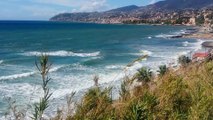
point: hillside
(181, 4)
(184, 94)
(152, 12)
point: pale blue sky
(44, 9)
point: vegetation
(162, 70)
(144, 75)
(43, 104)
(184, 60)
(183, 94)
(200, 20)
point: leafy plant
(96, 104)
(144, 75)
(141, 108)
(96, 79)
(14, 113)
(184, 60)
(43, 66)
(125, 92)
(162, 70)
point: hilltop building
(192, 21)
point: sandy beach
(202, 33)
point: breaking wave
(1, 61)
(27, 74)
(61, 53)
(16, 76)
(142, 52)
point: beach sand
(202, 33)
(207, 36)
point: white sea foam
(1, 61)
(185, 44)
(62, 53)
(54, 69)
(16, 76)
(146, 52)
(142, 52)
(27, 74)
(197, 45)
(114, 67)
(172, 34)
(164, 36)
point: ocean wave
(1, 61)
(16, 76)
(185, 44)
(195, 46)
(54, 69)
(27, 74)
(166, 35)
(61, 53)
(172, 34)
(142, 52)
(146, 52)
(114, 67)
(198, 45)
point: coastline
(201, 33)
(69, 53)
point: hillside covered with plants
(182, 94)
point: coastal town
(189, 17)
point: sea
(78, 52)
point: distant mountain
(181, 4)
(125, 9)
(134, 12)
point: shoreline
(200, 33)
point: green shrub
(95, 105)
(162, 70)
(142, 108)
(144, 75)
(125, 90)
(184, 60)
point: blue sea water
(78, 51)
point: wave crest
(27, 74)
(1, 61)
(62, 53)
(114, 67)
(16, 76)
(142, 52)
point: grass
(183, 94)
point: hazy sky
(44, 9)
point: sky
(44, 9)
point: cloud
(44, 9)
(79, 5)
(153, 1)
(94, 5)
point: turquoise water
(78, 51)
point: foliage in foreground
(39, 108)
(185, 94)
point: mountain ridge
(133, 12)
